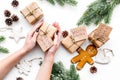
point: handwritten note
(44, 42)
(79, 33)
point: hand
(57, 38)
(31, 38)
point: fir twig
(3, 50)
(98, 11)
(60, 73)
(51, 1)
(63, 2)
(2, 38)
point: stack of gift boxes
(33, 13)
(78, 36)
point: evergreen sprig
(63, 2)
(2, 49)
(98, 11)
(60, 73)
(2, 38)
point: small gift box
(45, 35)
(75, 40)
(32, 13)
(100, 35)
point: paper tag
(102, 32)
(44, 42)
(79, 33)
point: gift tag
(45, 42)
(102, 32)
(79, 33)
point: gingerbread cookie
(85, 56)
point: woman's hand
(46, 67)
(31, 38)
(57, 38)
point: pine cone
(19, 78)
(15, 3)
(7, 13)
(93, 69)
(8, 21)
(15, 18)
(65, 33)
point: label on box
(79, 33)
(44, 42)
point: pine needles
(2, 49)
(63, 2)
(60, 73)
(98, 11)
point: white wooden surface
(67, 17)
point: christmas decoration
(63, 2)
(19, 78)
(14, 18)
(2, 49)
(98, 11)
(60, 73)
(8, 21)
(32, 13)
(17, 34)
(75, 40)
(102, 57)
(7, 13)
(44, 39)
(85, 56)
(2, 29)
(65, 34)
(24, 67)
(100, 35)
(93, 69)
(15, 3)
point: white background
(67, 17)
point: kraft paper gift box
(46, 33)
(75, 40)
(100, 35)
(32, 13)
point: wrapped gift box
(71, 45)
(100, 35)
(45, 35)
(75, 40)
(32, 13)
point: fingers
(35, 36)
(58, 36)
(56, 39)
(55, 24)
(31, 33)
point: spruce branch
(3, 50)
(63, 2)
(51, 1)
(59, 72)
(2, 38)
(98, 11)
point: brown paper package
(75, 39)
(32, 13)
(100, 35)
(70, 45)
(45, 35)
